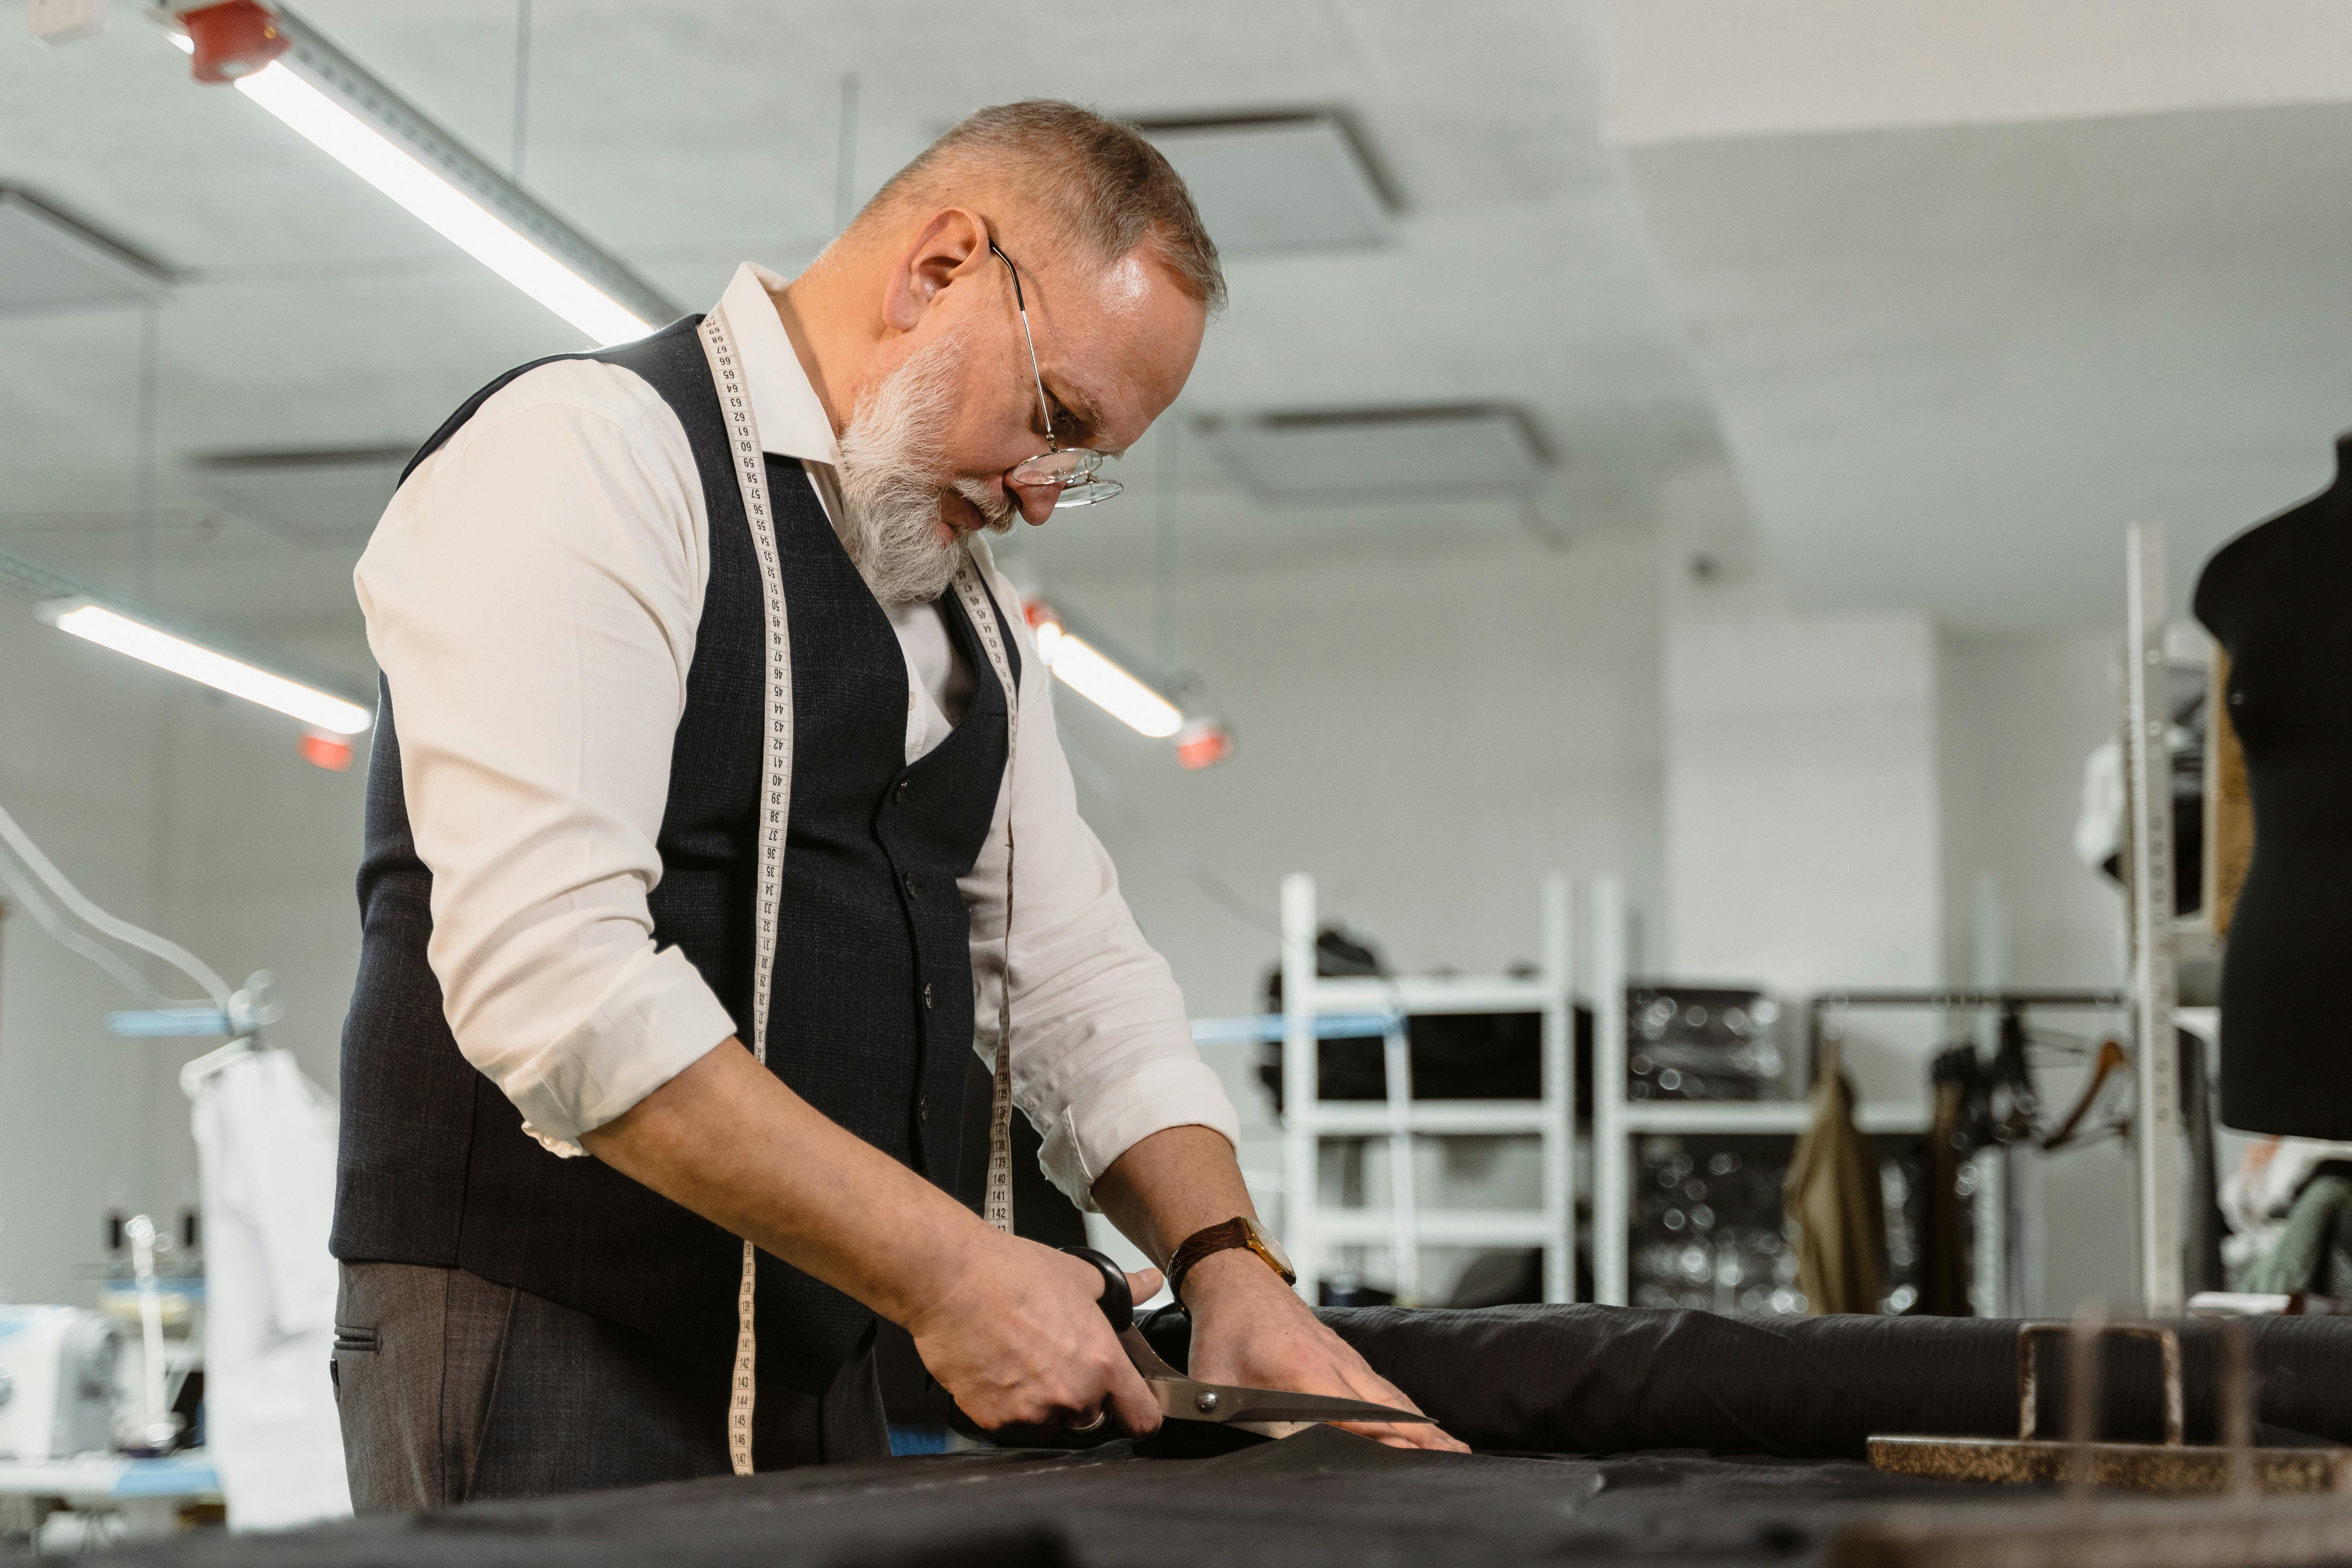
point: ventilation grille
(49, 262)
(1374, 453)
(311, 498)
(1281, 182)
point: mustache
(997, 509)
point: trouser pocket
(350, 1342)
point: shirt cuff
(1100, 1125)
(658, 1018)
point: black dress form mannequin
(2279, 598)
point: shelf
(185, 1475)
(1759, 1116)
(1435, 994)
(1434, 1117)
(1438, 1227)
(1265, 1028)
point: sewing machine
(56, 1382)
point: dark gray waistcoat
(872, 1019)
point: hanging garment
(2202, 1245)
(265, 1149)
(1834, 1196)
(2310, 1253)
(1945, 1272)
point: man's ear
(953, 244)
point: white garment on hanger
(266, 1146)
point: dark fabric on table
(1322, 1498)
(1587, 1380)
(1779, 1399)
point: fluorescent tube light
(450, 212)
(1078, 666)
(104, 627)
(324, 97)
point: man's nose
(1035, 501)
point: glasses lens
(1058, 467)
(1087, 492)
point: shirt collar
(790, 414)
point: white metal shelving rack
(1311, 1227)
(1616, 1120)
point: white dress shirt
(533, 594)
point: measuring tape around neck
(775, 812)
(996, 1206)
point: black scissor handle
(1118, 1302)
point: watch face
(1267, 1245)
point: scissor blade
(1184, 1399)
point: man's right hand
(1009, 1329)
(1020, 1340)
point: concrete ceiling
(1961, 289)
(689, 134)
(1951, 360)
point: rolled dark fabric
(1606, 1380)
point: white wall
(1427, 737)
(179, 811)
(1837, 787)
(2018, 716)
(1801, 794)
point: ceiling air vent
(1278, 182)
(311, 498)
(49, 262)
(1381, 453)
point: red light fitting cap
(321, 749)
(234, 39)
(1203, 743)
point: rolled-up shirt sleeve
(1102, 1051)
(531, 595)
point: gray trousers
(453, 1389)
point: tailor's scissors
(1185, 1398)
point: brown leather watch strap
(1203, 1243)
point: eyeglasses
(1071, 470)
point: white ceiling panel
(319, 498)
(1384, 453)
(1278, 183)
(49, 262)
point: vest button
(927, 992)
(899, 794)
(922, 1110)
(907, 881)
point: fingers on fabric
(1367, 1384)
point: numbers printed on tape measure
(719, 347)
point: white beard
(892, 464)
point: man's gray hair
(1108, 188)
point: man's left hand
(1251, 1329)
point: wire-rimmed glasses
(1072, 470)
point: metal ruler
(2148, 761)
(775, 814)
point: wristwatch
(1239, 1231)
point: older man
(716, 765)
